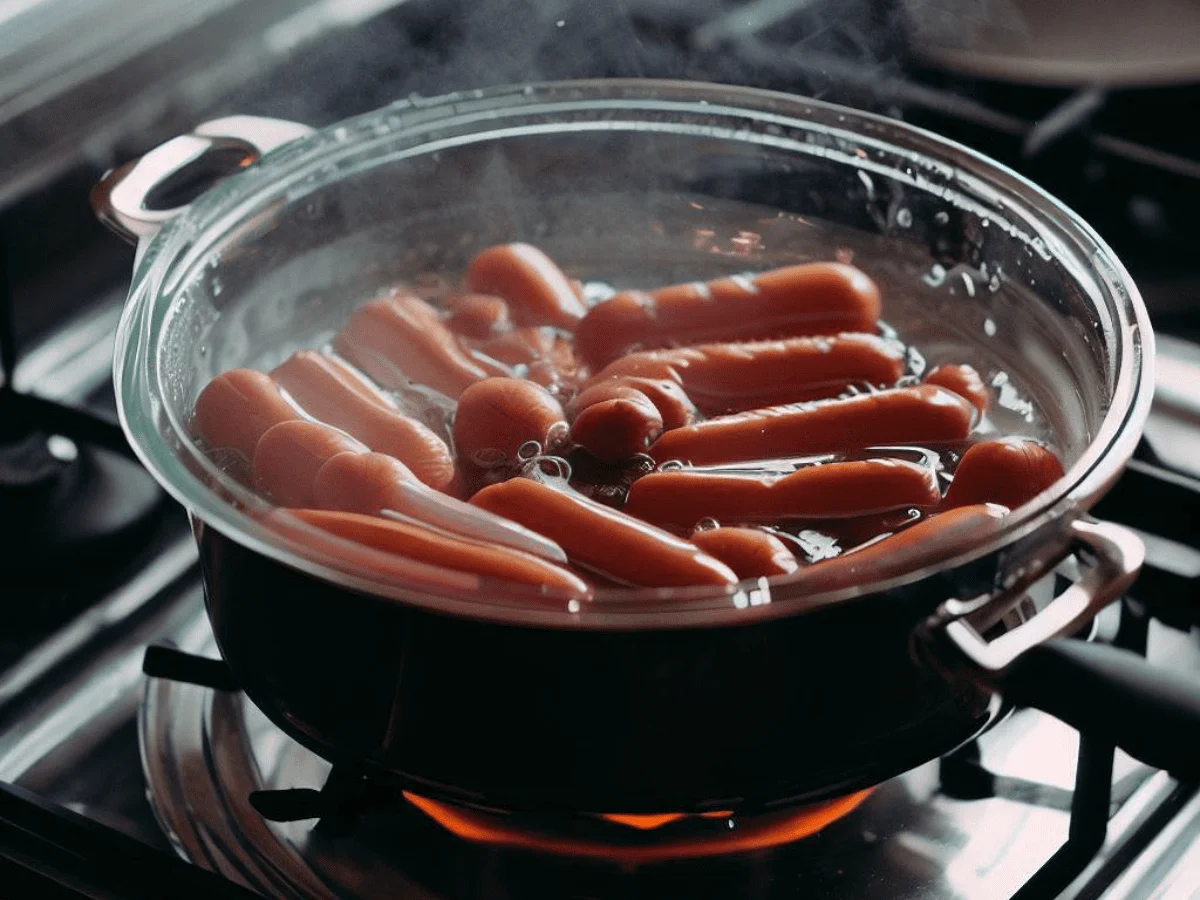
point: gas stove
(119, 783)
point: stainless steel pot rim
(483, 115)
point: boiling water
(962, 314)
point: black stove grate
(348, 796)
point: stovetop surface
(202, 752)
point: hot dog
(437, 548)
(674, 406)
(496, 417)
(932, 540)
(332, 392)
(612, 543)
(816, 298)
(831, 491)
(722, 378)
(964, 381)
(749, 552)
(401, 339)
(519, 346)
(290, 454)
(926, 413)
(537, 291)
(617, 428)
(237, 407)
(478, 316)
(372, 483)
(1010, 471)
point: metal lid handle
(121, 197)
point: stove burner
(66, 493)
(59, 501)
(642, 839)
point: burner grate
(348, 796)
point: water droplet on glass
(560, 23)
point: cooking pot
(685, 699)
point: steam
(430, 47)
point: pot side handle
(123, 198)
(1151, 712)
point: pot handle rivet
(123, 199)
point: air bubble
(573, 606)
(904, 218)
(547, 468)
(671, 465)
(935, 276)
(528, 451)
(942, 217)
(709, 524)
(989, 327)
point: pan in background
(1062, 43)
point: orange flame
(756, 833)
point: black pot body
(746, 717)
